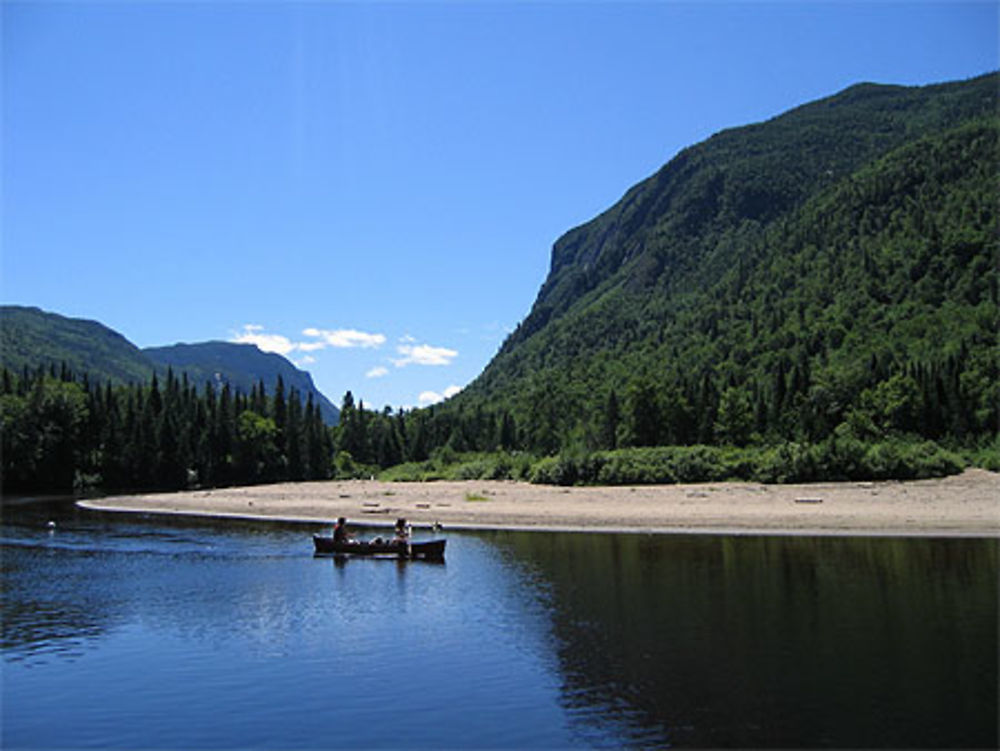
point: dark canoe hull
(425, 549)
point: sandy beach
(963, 505)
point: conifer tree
(293, 437)
(280, 408)
(609, 425)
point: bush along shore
(831, 460)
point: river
(123, 631)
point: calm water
(126, 632)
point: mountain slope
(30, 337)
(672, 227)
(798, 264)
(242, 366)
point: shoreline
(965, 505)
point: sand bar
(961, 506)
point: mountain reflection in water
(776, 641)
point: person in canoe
(340, 533)
(402, 533)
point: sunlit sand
(964, 505)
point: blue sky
(373, 189)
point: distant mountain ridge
(31, 337)
(242, 366)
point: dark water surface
(131, 632)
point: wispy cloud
(322, 338)
(423, 354)
(254, 334)
(377, 372)
(310, 346)
(427, 398)
(344, 338)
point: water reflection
(71, 576)
(54, 619)
(33, 629)
(758, 641)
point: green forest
(64, 433)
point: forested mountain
(834, 268)
(242, 366)
(31, 338)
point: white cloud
(377, 372)
(428, 398)
(345, 338)
(424, 354)
(310, 346)
(265, 342)
(307, 360)
(254, 334)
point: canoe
(425, 549)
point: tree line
(935, 400)
(63, 432)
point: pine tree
(610, 422)
(280, 409)
(643, 416)
(508, 431)
(293, 437)
(735, 417)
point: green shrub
(555, 470)
(345, 468)
(883, 461)
(842, 457)
(699, 464)
(986, 455)
(543, 472)
(987, 459)
(477, 469)
(924, 459)
(411, 472)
